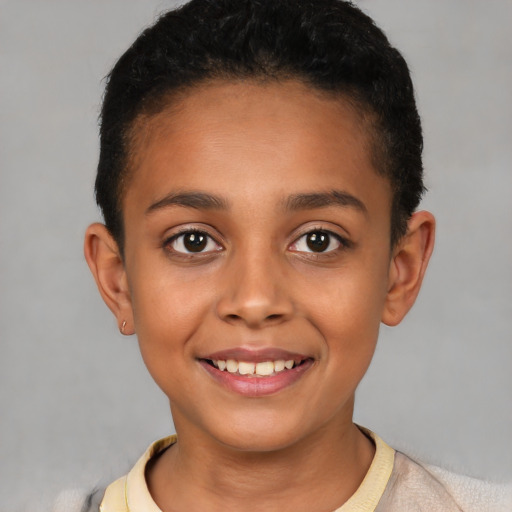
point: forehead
(226, 133)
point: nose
(255, 292)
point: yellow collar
(130, 493)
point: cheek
(167, 313)
(347, 309)
(350, 300)
(351, 330)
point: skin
(258, 286)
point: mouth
(256, 373)
(268, 368)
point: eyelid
(344, 242)
(183, 230)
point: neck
(320, 473)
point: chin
(262, 436)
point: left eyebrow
(190, 199)
(324, 199)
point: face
(257, 256)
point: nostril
(233, 317)
(253, 311)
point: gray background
(77, 405)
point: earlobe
(407, 267)
(107, 267)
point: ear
(107, 267)
(408, 266)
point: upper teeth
(263, 369)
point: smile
(256, 373)
(261, 369)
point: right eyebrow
(315, 200)
(190, 199)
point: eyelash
(190, 231)
(343, 243)
(168, 243)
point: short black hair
(329, 45)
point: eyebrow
(304, 201)
(323, 199)
(192, 199)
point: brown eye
(193, 242)
(318, 241)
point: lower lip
(253, 386)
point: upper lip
(255, 355)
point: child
(259, 175)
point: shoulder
(78, 500)
(110, 498)
(473, 494)
(115, 497)
(414, 486)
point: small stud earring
(123, 326)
